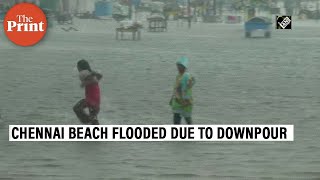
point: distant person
(181, 101)
(90, 81)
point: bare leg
(94, 111)
(79, 111)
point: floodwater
(239, 81)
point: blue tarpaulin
(103, 8)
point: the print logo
(25, 24)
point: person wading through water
(181, 101)
(90, 82)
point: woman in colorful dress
(182, 101)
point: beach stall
(133, 28)
(258, 24)
(157, 24)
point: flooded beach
(239, 81)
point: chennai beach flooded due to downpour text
(152, 133)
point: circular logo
(25, 24)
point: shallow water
(239, 81)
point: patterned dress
(182, 101)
